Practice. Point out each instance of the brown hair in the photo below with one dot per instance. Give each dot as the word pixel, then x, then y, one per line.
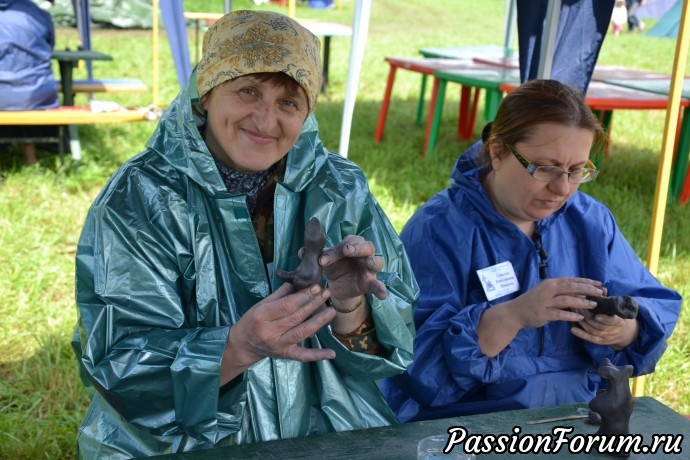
pixel 536 102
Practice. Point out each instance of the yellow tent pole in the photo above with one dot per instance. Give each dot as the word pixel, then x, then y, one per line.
pixel 662 180
pixel 291 9
pixel 155 57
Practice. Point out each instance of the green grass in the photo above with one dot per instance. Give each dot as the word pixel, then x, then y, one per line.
pixel 42 208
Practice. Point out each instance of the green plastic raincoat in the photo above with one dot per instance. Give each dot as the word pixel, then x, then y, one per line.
pixel 168 261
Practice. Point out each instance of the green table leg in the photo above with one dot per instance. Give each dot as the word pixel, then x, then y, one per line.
pixel 606 117
pixel 681 164
pixel 420 104
pixel 436 120
pixel 491 103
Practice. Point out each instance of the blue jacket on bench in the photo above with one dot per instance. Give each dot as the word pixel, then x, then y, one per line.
pixel 27 38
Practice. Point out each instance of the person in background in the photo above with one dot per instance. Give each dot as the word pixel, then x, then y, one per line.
pixel 619 16
pixel 27 38
pixel 633 21
pixel 509 260
pixel 185 332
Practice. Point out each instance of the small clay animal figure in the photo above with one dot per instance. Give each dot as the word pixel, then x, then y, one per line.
pixel 309 271
pixel 614 405
pixel 624 306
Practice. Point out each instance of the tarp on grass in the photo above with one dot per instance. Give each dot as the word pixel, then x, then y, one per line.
pixel 122 14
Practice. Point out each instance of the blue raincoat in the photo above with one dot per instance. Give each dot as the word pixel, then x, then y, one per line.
pixel 27 38
pixel 168 261
pixel 458 232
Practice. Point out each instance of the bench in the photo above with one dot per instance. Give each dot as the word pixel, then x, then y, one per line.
pixel 68 116
pixel 115 85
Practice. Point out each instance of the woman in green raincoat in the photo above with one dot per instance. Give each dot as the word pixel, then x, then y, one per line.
pixel 184 331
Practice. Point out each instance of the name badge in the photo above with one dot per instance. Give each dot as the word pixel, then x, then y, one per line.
pixel 498 280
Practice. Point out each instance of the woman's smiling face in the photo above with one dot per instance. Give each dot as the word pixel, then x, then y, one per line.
pixel 252 122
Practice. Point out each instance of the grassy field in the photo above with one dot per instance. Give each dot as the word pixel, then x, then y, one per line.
pixel 42 208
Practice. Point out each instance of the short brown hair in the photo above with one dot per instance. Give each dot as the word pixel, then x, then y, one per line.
pixel 536 102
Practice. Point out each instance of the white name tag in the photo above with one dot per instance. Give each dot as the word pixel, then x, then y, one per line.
pixel 498 280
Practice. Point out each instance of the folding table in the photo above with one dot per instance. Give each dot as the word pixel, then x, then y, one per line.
pixel 67 62
pixel 680 185
pixel 468 52
pixel 607 72
pixel 489 79
pixel 506 62
pixel 327 30
pixel 425 66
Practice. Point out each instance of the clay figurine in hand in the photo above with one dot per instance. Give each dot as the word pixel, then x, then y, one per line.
pixel 624 306
pixel 613 405
pixel 309 271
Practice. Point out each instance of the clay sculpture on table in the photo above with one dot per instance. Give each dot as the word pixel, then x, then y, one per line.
pixel 612 407
pixel 624 306
pixel 309 271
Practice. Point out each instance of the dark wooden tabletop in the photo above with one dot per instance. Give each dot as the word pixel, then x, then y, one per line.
pixel 399 442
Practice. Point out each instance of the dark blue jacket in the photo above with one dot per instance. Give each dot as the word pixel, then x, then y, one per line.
pixel 27 38
pixel 458 232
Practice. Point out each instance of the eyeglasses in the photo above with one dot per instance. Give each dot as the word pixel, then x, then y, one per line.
pixel 552 173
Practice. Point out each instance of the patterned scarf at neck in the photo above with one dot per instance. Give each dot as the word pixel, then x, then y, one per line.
pixel 239 183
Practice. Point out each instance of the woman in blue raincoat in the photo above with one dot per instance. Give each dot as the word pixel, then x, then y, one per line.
pixel 506 259
pixel 184 331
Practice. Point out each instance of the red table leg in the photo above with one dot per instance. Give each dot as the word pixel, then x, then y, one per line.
pixel 468 114
pixel 685 192
pixel 384 105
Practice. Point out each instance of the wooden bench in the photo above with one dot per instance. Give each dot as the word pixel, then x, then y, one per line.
pixel 115 85
pixel 67 117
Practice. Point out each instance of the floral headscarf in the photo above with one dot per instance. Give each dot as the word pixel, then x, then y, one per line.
pixel 247 42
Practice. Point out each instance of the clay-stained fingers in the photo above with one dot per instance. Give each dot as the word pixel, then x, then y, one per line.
pixel 377 288
pixel 275 326
pixel 375 263
pixel 292 337
pixel 580 287
pixel 290 305
pixel 352 246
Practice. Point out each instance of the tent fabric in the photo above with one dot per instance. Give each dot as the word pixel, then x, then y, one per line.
pixel 655 9
pixel 667 26
pixel 176 29
pixel 82 14
pixel 582 26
